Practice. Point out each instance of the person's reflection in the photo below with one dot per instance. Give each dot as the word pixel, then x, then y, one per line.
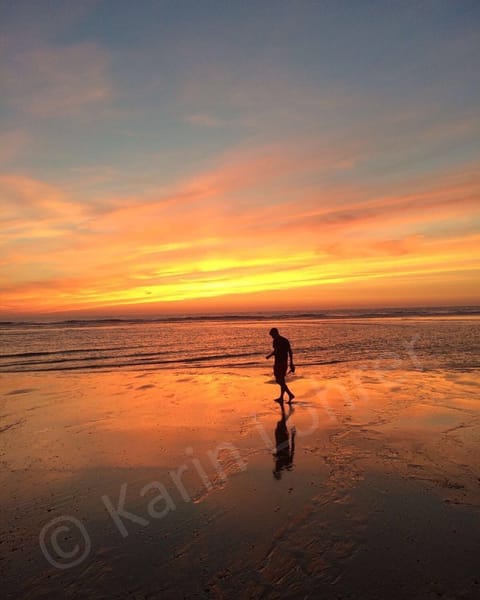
pixel 284 444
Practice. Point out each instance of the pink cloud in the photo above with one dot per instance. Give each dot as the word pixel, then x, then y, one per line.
pixel 58 80
pixel 28 202
pixel 204 120
pixel 14 142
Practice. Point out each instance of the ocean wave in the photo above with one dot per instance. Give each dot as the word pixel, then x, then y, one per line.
pixel 95 362
pixel 270 316
pixel 69 351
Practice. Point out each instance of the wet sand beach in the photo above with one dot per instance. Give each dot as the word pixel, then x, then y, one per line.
pixel 191 483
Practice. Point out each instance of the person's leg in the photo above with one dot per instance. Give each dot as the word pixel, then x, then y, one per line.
pixel 280 379
pixel 291 396
pixel 281 382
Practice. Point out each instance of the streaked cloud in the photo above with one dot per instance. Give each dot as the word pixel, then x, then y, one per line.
pixel 184 246
pixel 204 120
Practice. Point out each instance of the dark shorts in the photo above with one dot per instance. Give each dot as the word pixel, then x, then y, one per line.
pixel 280 369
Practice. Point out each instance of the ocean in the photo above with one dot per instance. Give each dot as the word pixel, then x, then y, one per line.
pixel 415 338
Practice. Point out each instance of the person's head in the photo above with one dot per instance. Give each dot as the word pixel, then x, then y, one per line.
pixel 274 332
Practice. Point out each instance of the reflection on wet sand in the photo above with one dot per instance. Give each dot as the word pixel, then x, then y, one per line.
pixel 284 443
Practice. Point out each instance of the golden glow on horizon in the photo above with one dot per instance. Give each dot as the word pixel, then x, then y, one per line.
pixel 65 255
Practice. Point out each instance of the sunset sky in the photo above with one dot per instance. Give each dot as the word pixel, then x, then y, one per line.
pixel 175 156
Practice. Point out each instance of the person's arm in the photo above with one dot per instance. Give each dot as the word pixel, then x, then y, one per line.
pixel 272 353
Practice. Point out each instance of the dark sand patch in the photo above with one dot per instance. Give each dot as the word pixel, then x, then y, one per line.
pixel 5 428
pixel 20 391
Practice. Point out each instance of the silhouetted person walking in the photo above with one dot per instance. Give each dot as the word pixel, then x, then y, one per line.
pixel 282 352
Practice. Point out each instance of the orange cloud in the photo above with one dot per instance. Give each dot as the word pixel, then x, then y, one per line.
pixel 207 239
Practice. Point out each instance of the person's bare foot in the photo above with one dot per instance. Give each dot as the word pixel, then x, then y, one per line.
pixel 290 398
pixel 279 400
